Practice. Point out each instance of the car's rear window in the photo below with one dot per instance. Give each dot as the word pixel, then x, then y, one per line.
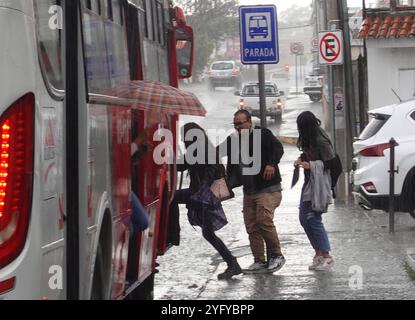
pixel 254 90
pixel 222 66
pixel 373 127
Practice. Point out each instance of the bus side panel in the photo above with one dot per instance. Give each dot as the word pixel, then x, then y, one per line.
pixel 120 193
pixel 52 195
pixel 148 186
pixel 148 243
pixel 167 226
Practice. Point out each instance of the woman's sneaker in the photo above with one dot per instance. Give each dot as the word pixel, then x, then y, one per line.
pixel 276 263
pixel 256 267
pixel 317 260
pixel 325 264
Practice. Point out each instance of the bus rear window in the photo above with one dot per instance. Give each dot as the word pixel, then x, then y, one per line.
pixel 49 21
pixel 373 127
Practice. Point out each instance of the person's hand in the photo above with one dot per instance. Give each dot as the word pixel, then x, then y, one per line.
pixel 269 172
pixel 142 138
pixel 297 162
pixel 305 165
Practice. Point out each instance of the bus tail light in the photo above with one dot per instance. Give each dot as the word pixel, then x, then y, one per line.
pixel 16 176
pixel 8 285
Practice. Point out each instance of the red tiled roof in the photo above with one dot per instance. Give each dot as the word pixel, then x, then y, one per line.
pixel 388 26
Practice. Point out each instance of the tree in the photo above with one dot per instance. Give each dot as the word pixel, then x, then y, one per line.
pixel 211 21
pixel 295 16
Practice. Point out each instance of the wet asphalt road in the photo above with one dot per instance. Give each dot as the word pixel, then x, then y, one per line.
pixel 369 262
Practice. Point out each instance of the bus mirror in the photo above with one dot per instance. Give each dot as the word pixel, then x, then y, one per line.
pixel 184 47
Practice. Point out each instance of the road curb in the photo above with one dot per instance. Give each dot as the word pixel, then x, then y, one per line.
pixel 288 140
pixel 410 258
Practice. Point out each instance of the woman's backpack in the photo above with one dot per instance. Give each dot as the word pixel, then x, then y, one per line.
pixel 336 169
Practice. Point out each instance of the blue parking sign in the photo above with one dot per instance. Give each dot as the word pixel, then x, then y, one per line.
pixel 259 34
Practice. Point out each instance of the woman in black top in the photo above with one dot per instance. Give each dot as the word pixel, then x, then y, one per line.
pixel 315 145
pixel 204 209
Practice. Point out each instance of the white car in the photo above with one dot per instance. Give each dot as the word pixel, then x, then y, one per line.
pixel 224 74
pixel 370 168
pixel 274 99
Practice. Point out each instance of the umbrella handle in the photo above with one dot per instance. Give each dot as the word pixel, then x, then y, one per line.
pixel 181 180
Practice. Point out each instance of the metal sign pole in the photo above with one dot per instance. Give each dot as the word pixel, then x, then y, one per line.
pixel 296 74
pixel 392 172
pixel 262 99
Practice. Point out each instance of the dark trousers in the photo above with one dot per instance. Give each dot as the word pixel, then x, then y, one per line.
pixel 182 197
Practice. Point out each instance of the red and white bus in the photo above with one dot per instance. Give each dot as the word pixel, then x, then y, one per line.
pixel 65 160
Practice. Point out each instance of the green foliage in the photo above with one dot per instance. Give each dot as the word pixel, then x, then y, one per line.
pixel 411 273
pixel 211 21
pixel 295 16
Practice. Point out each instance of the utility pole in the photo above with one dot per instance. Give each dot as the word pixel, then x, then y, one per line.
pixel 349 83
pixel 342 92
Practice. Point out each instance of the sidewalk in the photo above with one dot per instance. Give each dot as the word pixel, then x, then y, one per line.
pixel 369 262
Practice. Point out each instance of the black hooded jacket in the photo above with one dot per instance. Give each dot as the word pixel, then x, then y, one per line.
pixel 271 154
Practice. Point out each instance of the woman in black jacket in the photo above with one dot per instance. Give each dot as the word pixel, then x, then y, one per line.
pixel 204 209
pixel 316 145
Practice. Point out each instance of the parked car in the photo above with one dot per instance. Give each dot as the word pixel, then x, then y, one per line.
pixel 370 167
pixel 249 100
pixel 279 76
pixel 313 87
pixel 224 74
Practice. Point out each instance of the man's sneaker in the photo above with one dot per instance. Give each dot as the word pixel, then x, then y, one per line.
pixel 317 260
pixel 256 267
pixel 325 264
pixel 276 263
pixel 233 270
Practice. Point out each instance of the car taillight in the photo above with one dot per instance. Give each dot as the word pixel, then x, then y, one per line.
pixel 234 72
pixel 241 104
pixel 369 187
pixel 16 176
pixel 375 151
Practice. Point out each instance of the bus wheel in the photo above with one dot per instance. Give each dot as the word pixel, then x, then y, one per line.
pixel 145 291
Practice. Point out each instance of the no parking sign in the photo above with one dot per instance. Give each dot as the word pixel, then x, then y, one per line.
pixel 331 47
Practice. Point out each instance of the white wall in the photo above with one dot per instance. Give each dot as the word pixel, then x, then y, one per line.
pixel 383 73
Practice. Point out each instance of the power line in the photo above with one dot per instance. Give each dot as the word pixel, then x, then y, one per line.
pixel 296 27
